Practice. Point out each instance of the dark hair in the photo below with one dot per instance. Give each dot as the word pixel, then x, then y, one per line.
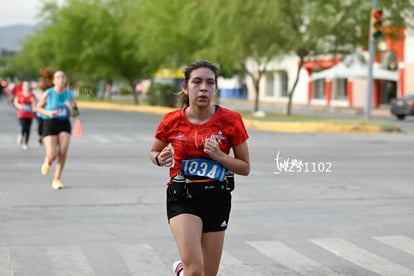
pixel 182 96
pixel 46 77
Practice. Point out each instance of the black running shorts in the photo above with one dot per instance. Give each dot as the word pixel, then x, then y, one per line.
pixel 56 126
pixel 212 207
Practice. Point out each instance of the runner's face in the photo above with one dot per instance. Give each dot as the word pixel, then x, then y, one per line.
pixel 201 86
pixel 25 86
pixel 59 79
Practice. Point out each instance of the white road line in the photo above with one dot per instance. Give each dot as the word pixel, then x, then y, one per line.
pixel 231 266
pixel 100 139
pixel 400 242
pixel 141 259
pixel 6 263
pixel 363 258
pixel 79 140
pixel 141 138
pixel 229 259
pixel 292 259
pixel 69 261
pixel 123 138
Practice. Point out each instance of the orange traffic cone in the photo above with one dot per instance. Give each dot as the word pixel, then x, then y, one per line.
pixel 77 128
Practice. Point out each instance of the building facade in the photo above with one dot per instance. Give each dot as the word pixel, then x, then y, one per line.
pixel 393 66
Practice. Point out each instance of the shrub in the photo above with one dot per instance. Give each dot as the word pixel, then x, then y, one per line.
pixel 86 89
pixel 163 94
pixel 125 91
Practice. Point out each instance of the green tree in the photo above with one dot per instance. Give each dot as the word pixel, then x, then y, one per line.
pixel 233 32
pixel 92 39
pixel 108 39
pixel 227 32
pixel 243 37
pixel 169 35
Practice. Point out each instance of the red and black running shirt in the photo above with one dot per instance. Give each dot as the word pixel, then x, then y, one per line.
pixel 187 139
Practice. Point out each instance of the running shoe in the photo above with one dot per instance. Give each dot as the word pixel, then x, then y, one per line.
pixel 57 184
pixel 45 167
pixel 25 146
pixel 178 268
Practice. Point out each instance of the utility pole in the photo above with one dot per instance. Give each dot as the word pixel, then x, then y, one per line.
pixel 375 25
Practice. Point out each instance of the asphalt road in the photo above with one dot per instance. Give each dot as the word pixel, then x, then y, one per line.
pixel 314 204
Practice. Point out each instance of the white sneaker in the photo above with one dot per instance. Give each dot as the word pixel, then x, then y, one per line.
pixel 178 268
pixel 25 147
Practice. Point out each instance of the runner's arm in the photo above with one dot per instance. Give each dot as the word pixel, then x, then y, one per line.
pixel 41 104
pixel 16 103
pixel 160 151
pixel 72 108
pixel 239 164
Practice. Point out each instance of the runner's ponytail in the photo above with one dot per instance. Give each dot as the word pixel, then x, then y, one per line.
pixel 183 99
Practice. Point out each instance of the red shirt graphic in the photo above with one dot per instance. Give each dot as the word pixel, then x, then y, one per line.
pixel 187 139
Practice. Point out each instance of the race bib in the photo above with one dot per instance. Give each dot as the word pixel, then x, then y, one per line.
pixel 27 108
pixel 204 168
pixel 62 112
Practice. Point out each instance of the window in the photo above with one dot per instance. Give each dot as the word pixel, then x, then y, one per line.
pixel 318 89
pixel 389 60
pixel 339 87
pixel 276 84
pixel 283 83
pixel 269 84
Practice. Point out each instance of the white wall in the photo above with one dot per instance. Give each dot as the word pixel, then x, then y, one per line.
pixel 409 46
pixel 409 62
pixel 289 64
pixel 359 93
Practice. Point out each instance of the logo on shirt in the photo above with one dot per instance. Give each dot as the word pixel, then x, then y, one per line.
pixel 201 138
pixel 180 137
pixel 219 136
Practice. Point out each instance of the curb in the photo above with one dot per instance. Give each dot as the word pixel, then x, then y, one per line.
pixel 299 127
pixel 290 127
pixel 161 110
pixel 343 110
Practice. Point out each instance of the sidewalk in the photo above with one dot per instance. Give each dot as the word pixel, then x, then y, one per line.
pixel 295 127
pixel 307 109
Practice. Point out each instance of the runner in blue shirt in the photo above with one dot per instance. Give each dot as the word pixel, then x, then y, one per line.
pixel 56 106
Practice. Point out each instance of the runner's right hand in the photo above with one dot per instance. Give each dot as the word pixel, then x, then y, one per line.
pixel 166 157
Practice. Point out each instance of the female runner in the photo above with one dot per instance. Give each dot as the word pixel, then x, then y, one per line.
pixel 201 169
pixel 56 105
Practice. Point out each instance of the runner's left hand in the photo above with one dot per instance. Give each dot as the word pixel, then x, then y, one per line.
pixel 212 148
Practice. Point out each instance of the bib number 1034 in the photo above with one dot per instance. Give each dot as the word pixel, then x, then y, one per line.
pixel 204 168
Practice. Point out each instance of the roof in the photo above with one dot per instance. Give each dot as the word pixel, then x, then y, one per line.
pixel 353 68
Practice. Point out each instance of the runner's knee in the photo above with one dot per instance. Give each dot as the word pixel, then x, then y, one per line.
pixel 51 157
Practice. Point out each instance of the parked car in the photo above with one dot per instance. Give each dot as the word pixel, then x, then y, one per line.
pixel 403 106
